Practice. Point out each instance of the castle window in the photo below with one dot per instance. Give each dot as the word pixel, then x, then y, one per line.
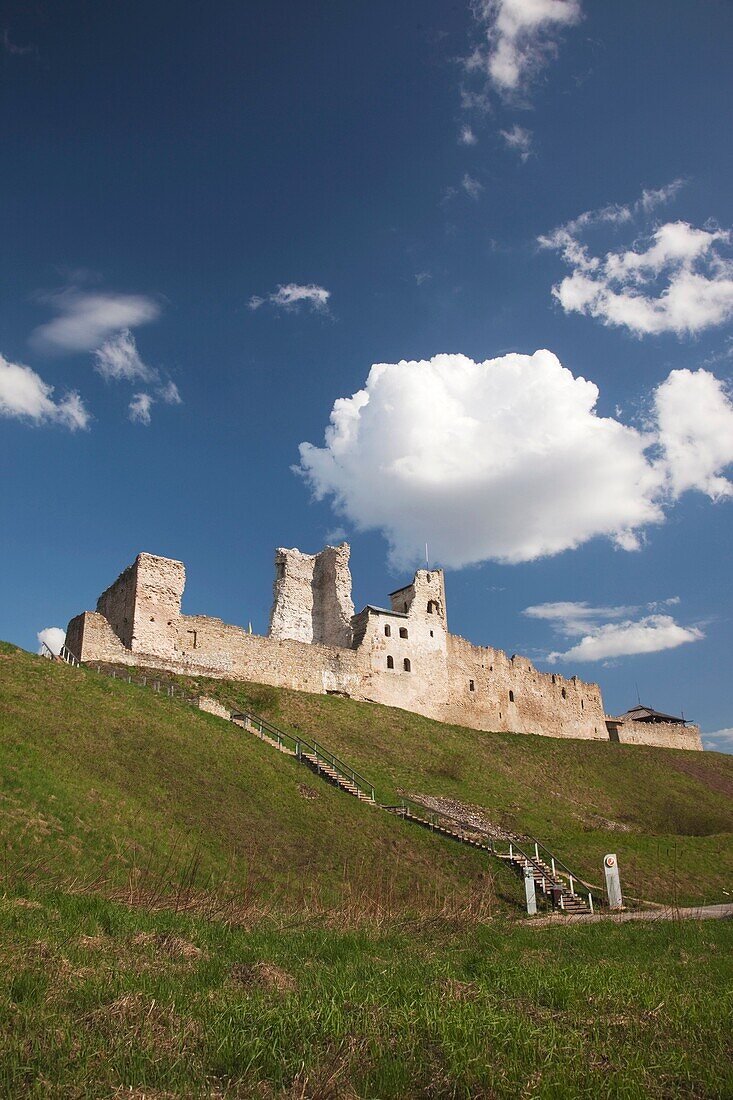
pixel 432 634
pixel 390 662
pixel 280 570
pixel 406 665
pixel 388 631
pixel 405 607
pixel 431 607
pixel 471 685
pixel 582 705
pixel 429 578
pixel 511 696
pixel 403 632
pixel 194 638
pixel 554 678
pixel 564 693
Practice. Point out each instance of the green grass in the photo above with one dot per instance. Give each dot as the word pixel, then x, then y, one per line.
pixel 104 782
pixel 97 1000
pixel 668 813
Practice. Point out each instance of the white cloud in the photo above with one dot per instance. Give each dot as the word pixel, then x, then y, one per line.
pixel 53 637
pixel 139 408
pixel 505 460
pixel 651 634
pixel 719 741
pixel 520 140
pixel 520 35
pixel 467 136
pixel 290 295
pixel 695 430
pixel 678 279
pixel 25 396
pixel 471 186
pixel 169 394
pixel 608 632
pixel 118 359
pixel 86 320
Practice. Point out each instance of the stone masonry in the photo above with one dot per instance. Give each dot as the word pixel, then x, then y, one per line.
pixel 402 656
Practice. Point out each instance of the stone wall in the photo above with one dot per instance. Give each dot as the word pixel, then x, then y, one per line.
pixel 312 596
pixel 402 658
pixel 665 735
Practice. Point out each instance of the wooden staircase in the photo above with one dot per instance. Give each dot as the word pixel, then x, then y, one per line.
pixel 558 887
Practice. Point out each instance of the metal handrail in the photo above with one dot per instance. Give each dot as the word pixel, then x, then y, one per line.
pixel 434 817
pixel 313 747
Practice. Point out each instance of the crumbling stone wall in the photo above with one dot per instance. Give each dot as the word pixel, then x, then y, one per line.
pixel 665 735
pixel 403 658
pixel 312 596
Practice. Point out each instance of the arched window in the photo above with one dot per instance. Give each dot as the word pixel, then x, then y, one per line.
pixel 403 632
pixel 390 662
pixel 406 665
pixel 388 631
pixel 511 696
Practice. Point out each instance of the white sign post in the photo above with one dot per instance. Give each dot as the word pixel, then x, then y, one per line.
pixel 529 891
pixel 613 882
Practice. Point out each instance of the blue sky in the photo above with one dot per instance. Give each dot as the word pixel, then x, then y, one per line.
pixel 216 223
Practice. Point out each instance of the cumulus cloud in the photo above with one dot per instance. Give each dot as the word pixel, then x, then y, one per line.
pixel 506 460
pixel 25 396
pixel 291 295
pixel 139 408
pixel 518 38
pixel 520 140
pixel 719 741
pixel 85 320
pixel 677 279
pixel 119 360
pixel 53 637
pixel 608 632
pixel 695 430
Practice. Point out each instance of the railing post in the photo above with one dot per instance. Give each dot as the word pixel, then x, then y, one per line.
pixel 536 852
pixel 511 851
pixel 572 888
pixel 590 901
pixel 554 872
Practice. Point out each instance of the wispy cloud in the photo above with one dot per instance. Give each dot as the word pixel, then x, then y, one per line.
pixel 719 740
pixel 518 38
pixel 519 140
pixel 472 187
pixel 289 296
pixel 25 396
pixel 467 136
pixel 605 633
pixel 119 360
pixel 85 320
pixel 139 408
pixel 13 48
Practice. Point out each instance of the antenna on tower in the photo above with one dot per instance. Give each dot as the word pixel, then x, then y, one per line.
pixel 638 697
pixel 427 557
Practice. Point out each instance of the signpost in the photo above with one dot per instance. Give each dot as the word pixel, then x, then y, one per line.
pixel 613 882
pixel 529 891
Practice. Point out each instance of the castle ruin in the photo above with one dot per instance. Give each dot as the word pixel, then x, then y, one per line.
pixel 402 655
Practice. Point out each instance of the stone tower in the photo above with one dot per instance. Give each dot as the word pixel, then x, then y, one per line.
pixel 312 596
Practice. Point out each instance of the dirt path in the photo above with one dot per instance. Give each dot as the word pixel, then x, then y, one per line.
pixel 693 912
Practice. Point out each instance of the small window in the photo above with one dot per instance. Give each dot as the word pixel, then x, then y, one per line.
pixel 582 705
pixel 280 570
pixel 554 678
pixel 511 696
pixel 406 665
pixel 194 638
pixel 431 607
pixel 405 607
pixel 403 632
pixel 429 578
pixel 390 662
pixel 388 631
pixel 432 633
pixel 471 685
pixel 564 693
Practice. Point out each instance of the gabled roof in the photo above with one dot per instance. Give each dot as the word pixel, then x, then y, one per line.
pixel 641 713
pixel 386 611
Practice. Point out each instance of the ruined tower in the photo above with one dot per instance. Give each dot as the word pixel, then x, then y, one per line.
pixel 312 596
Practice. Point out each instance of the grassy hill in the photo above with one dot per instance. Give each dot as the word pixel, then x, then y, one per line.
pixel 104 782
pixel 129 820
pixel 668 813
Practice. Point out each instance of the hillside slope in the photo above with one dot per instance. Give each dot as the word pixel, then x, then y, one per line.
pixel 104 782
pixel 668 813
